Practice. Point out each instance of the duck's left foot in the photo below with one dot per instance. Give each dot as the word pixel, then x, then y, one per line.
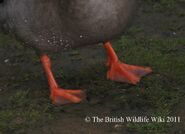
pixel 122 72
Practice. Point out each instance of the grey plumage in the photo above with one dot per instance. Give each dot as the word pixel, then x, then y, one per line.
pixel 63 24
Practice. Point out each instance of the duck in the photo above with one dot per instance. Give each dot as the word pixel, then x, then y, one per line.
pixel 60 25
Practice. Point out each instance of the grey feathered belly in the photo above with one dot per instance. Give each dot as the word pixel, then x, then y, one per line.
pixel 60 25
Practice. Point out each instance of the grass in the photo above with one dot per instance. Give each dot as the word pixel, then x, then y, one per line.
pixel 162 5
pixel 164 89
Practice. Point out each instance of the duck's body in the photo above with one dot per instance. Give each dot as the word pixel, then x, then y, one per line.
pixel 62 24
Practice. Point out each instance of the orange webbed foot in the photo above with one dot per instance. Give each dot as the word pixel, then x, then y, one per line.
pixel 61 96
pixel 121 72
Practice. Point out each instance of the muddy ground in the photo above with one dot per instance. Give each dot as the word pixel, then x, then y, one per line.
pixel 155 38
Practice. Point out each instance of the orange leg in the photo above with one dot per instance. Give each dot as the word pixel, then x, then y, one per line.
pixel 60 95
pixel 122 72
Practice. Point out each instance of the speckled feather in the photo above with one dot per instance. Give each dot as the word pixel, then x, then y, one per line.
pixel 64 24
